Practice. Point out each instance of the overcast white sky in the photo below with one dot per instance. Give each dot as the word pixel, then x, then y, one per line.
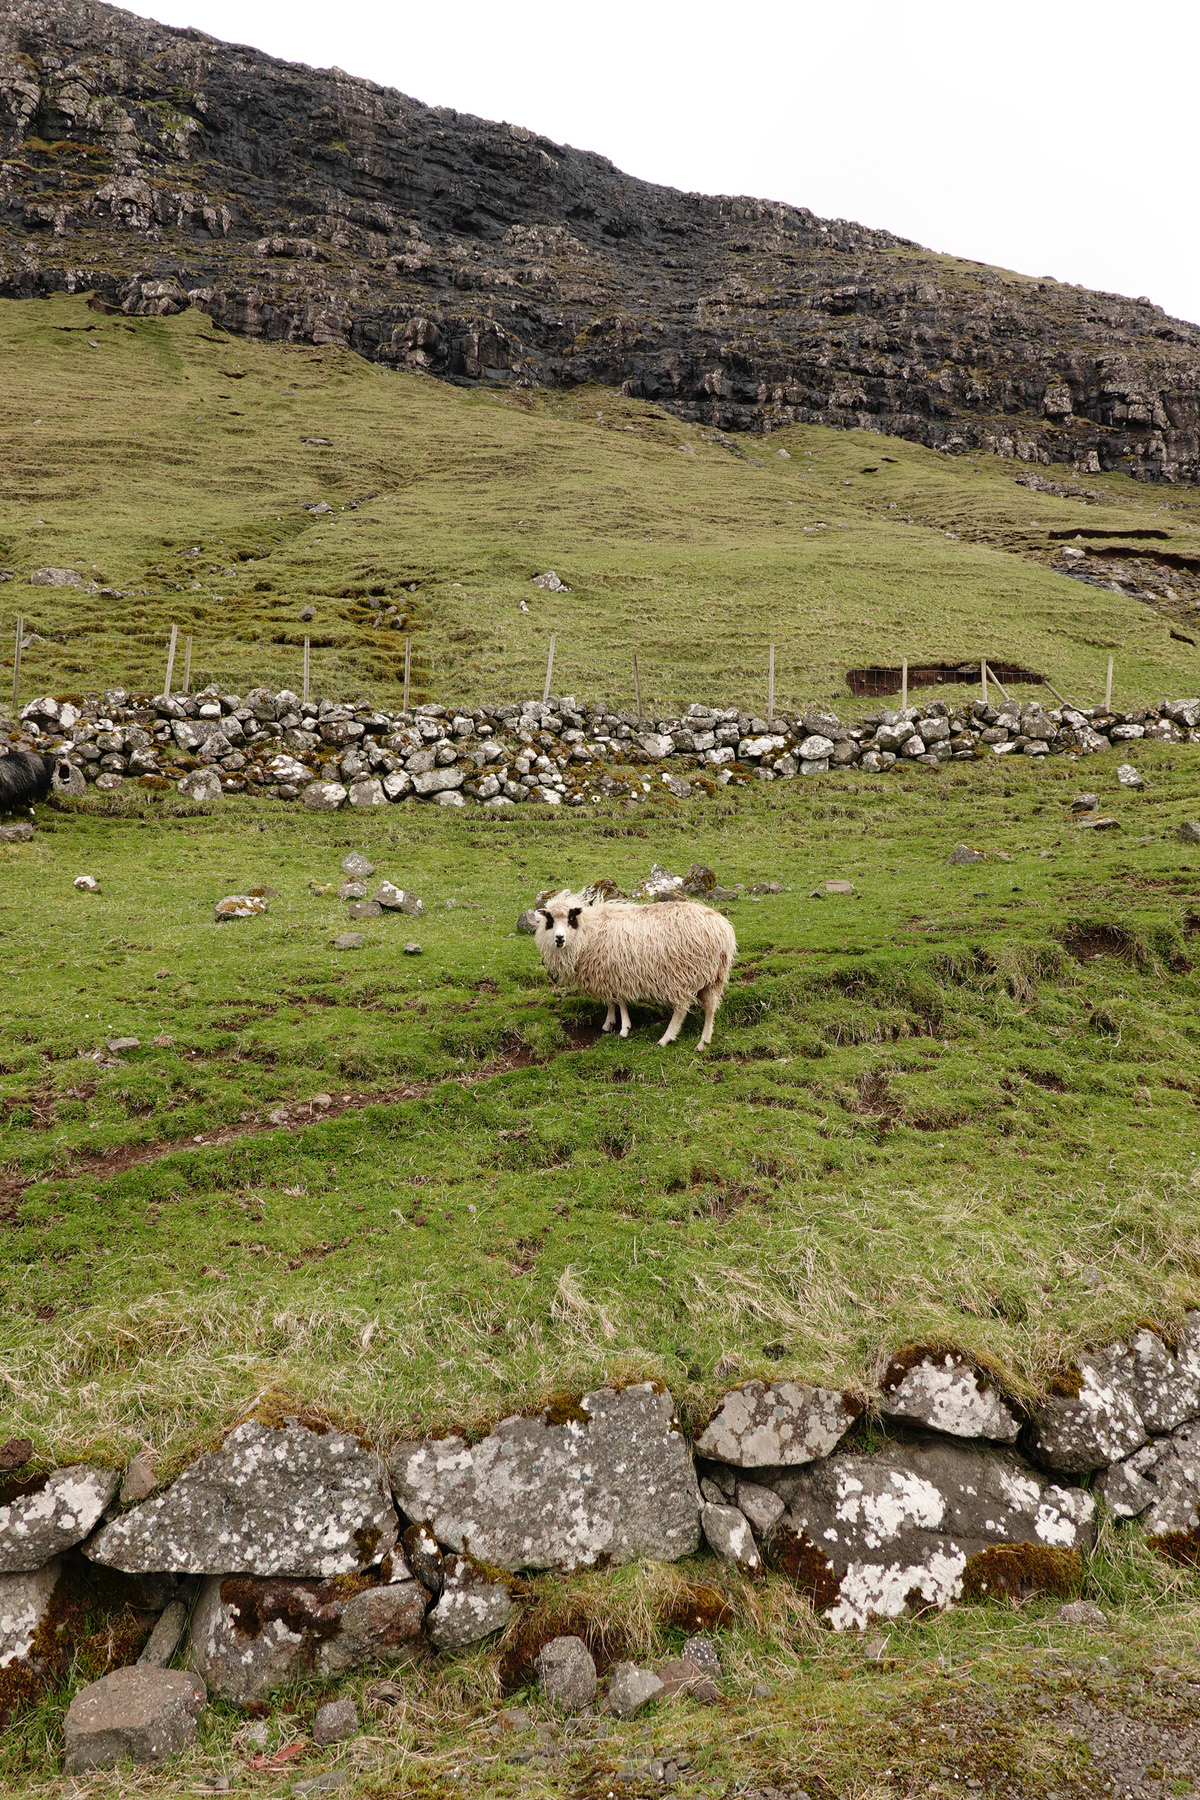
pixel 1057 137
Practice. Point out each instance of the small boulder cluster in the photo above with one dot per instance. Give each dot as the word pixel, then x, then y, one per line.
pixel 557 752
pixel 292 1549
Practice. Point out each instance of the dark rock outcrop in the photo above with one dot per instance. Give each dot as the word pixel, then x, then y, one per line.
pixel 160 167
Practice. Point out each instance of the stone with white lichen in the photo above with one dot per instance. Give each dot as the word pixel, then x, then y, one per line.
pixel 1091 1416
pixel 867 1536
pixel 612 1481
pixel 59 1513
pixel 769 1424
pixel 728 1535
pixel 271 1501
pixel 472 1606
pixel 947 1393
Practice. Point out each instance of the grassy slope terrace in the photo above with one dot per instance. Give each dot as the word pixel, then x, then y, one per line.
pixel 961 1105
pixel 170 465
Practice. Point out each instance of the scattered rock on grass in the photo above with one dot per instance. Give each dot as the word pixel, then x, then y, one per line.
pixel 87 884
pixel 134 1715
pixel 631 1688
pixel 349 940
pixel 567 1674
pixel 703 1652
pixel 1189 831
pixel 356 867
pixel 1128 776
pixel 526 924
pixel 412 948
pixel 241 906
pixel 20 833
pixel 1082 1613
pixel 1098 822
pixel 966 853
pixel 336 1720
pixel 366 909
pixel 682 1675
pixel 396 899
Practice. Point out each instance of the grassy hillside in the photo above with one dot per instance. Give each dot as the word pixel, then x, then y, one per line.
pixel 958 1105
pixel 171 464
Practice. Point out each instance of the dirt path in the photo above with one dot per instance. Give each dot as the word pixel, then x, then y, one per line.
pixel 291 1115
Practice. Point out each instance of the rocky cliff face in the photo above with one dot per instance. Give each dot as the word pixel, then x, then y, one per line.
pixel 162 167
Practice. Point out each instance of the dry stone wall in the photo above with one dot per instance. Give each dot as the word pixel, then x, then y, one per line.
pixel 319 1553
pixel 561 751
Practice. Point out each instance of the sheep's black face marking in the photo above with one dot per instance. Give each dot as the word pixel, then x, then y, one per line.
pixel 549 918
pixel 573 917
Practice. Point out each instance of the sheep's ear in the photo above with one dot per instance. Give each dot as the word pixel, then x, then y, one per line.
pixel 573 917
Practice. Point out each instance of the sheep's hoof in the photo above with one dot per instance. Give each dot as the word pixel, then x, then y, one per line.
pixel 606 1026
pixel 625 1034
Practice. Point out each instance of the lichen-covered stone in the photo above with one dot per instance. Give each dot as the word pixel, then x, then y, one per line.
pixel 947 1393
pixel 1165 1384
pixel 135 1715
pixel 868 1535
pixel 24 1602
pixel 34 1527
pixel 728 1535
pixel 271 1501
pixel 770 1424
pixel 472 1606
pixel 251 1634
pixel 761 1505
pixel 1096 1421
pixel 615 1482
pixel 1159 1484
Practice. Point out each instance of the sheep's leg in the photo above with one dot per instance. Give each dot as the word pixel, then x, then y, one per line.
pixel 626 1021
pixel 610 1019
pixel 672 1031
pixel 710 999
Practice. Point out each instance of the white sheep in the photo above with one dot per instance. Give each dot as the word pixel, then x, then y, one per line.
pixel 673 951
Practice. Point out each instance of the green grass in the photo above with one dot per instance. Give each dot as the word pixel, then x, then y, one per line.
pixel 123 458
pixel 923 1116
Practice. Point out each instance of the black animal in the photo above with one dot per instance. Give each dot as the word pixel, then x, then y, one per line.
pixel 25 778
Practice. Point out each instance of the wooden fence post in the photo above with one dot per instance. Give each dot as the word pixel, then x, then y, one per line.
pixel 904 684
pixel 637 689
pixel 187 665
pixel 171 661
pixel 1108 686
pixel 305 696
pixel 998 682
pixel 983 678
pixel 771 687
pixel 549 669
pixel 17 662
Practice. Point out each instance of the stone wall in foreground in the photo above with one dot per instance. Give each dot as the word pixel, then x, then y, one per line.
pixel 328 754
pixel 294 1547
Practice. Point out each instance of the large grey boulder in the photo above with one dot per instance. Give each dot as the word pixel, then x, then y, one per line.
pixel 948 1394
pixel 1093 1419
pixel 472 1606
pixel 135 1715
pixel 1160 1484
pixel 271 1501
pixel 769 1424
pixel 614 1483
pixel 437 781
pixel 868 1535
pixel 323 796
pixel 250 1635
pixel 34 1527
pixel 201 784
pixel 1165 1383
pixel 24 1603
